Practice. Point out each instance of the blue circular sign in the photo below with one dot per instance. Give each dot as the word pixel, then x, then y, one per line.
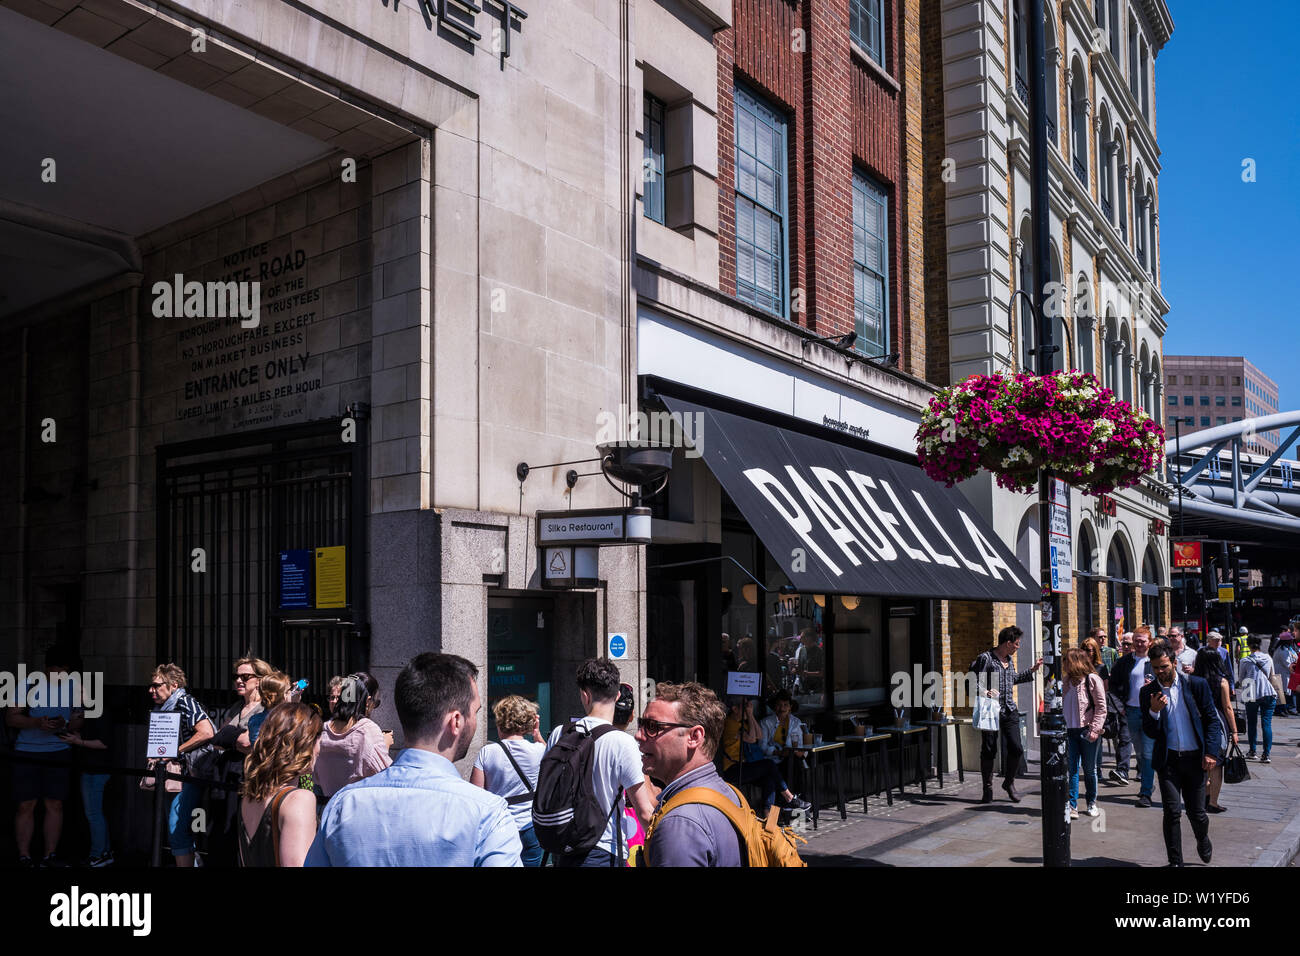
pixel 617 646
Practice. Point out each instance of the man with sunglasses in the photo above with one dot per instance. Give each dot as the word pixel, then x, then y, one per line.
pixel 678 736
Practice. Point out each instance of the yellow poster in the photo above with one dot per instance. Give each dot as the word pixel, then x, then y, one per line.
pixel 331 577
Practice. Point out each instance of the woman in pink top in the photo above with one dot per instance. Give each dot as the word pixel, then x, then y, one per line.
pixel 1085 716
pixel 352 746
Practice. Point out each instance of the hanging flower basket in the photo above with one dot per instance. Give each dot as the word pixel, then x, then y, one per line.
pixel 1014 426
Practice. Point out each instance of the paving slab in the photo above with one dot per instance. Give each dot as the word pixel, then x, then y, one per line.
pixel 949 827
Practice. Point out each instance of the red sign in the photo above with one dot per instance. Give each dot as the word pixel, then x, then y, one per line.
pixel 1157 526
pixel 1187 554
pixel 1106 505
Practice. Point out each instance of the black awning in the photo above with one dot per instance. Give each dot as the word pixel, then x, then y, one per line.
pixel 840 520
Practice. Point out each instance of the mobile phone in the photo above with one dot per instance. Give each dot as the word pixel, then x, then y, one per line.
pixel 302 684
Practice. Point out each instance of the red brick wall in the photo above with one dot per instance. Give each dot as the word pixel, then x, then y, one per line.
pixel 838 112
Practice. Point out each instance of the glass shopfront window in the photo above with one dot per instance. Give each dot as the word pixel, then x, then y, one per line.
pixel 861 676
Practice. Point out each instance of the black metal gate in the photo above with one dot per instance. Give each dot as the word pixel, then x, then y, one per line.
pixel 227 507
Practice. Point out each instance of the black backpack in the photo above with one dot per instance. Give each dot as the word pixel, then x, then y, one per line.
pixel 567 817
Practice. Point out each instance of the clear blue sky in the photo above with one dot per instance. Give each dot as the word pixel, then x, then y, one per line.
pixel 1225 92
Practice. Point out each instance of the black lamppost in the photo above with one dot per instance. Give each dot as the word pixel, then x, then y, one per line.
pixel 1051 722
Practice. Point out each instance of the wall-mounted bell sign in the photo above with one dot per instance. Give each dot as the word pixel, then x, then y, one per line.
pixel 568 542
pixel 569 566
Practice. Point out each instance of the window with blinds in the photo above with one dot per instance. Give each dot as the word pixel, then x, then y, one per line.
pixel 870 265
pixel 761 266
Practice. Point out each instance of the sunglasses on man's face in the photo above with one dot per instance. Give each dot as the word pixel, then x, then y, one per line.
pixel 653 728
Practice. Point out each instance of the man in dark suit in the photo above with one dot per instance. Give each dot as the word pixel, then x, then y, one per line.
pixel 1178 715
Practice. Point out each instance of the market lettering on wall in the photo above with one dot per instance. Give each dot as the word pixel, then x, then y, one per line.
pixel 231 367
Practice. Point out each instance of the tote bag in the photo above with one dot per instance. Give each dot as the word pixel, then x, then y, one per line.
pixel 985 714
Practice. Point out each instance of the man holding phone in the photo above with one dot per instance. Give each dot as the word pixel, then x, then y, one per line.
pixel 41 725
pixel 1178 714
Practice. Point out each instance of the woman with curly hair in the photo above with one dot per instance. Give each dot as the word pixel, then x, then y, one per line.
pixel 277 819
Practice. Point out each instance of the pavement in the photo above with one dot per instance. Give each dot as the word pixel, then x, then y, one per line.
pixel 949 827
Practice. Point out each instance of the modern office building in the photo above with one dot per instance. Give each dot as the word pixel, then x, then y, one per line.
pixel 1207 390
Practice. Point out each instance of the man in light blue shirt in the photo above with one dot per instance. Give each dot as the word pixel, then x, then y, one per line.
pixel 419 811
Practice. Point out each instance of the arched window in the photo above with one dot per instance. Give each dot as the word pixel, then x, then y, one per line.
pixel 1144 378
pixel 1110 351
pixel 1079 121
pixel 1028 324
pixel 1119 578
pixel 1125 371
pixel 1083 313
pixel 1085 567
pixel 1151 228
pixel 1121 185
pixel 1157 404
pixel 1105 175
pixel 1139 217
pixel 1151 581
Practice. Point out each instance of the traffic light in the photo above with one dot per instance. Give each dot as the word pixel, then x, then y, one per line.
pixel 1243 574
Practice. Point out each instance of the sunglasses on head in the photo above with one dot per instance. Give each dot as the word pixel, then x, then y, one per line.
pixel 653 728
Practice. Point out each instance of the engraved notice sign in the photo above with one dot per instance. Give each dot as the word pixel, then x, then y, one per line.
pixel 232 370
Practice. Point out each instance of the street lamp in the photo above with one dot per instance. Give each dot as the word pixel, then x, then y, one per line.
pixel 1051 722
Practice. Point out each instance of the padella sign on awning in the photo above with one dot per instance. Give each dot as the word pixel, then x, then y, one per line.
pixel 843 521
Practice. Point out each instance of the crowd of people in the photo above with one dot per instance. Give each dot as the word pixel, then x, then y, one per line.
pixel 288 785
pixel 1171 705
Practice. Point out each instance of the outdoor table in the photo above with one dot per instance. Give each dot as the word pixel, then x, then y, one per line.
pixel 943 747
pixel 872 739
pixel 901 733
pixel 836 749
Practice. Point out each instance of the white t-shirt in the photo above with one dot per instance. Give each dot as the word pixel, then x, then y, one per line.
pixel 1187 657
pixel 616 763
pixel 502 779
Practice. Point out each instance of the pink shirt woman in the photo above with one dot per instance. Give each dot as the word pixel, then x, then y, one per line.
pixel 352 747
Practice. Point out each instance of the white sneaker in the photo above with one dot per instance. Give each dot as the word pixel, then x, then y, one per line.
pixel 1074 814
pixel 1092 810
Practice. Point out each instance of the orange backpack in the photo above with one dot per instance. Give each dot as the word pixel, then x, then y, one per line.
pixel 765 844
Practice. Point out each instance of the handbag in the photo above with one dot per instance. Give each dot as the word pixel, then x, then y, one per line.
pixel 1234 767
pixel 985 714
pixel 172 765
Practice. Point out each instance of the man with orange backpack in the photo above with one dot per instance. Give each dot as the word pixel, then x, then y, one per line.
pixel 700 820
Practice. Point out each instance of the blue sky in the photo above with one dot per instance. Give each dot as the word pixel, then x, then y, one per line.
pixel 1225 92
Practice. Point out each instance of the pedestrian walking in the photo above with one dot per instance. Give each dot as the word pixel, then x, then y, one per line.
pixel 678 736
pixel 277 818
pixel 1126 682
pixel 1085 717
pixel 589 770
pixel 1211 668
pixel 508 767
pixel 1184 656
pixel 167 688
pixel 1260 696
pixel 1001 683
pixel 1117 728
pixel 1284 660
pixel 1178 713
pixel 419 811
pixel 352 747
